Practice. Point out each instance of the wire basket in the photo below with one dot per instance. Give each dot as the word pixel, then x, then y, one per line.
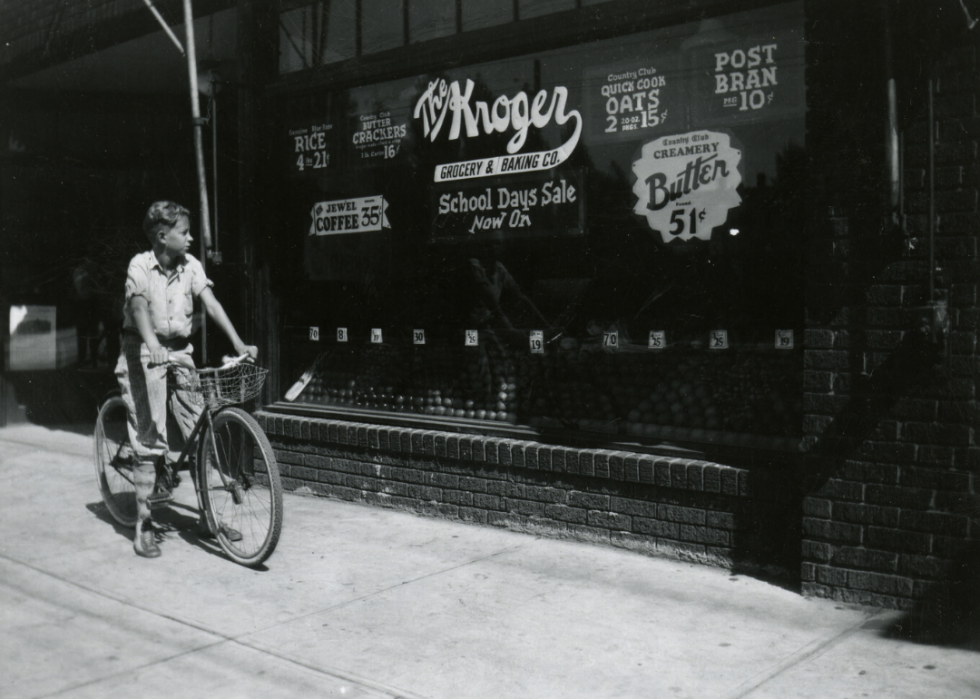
pixel 224 386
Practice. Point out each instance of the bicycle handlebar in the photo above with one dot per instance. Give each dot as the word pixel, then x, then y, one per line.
pixel 226 362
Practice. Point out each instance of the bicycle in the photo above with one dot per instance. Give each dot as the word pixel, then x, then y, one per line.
pixel 235 473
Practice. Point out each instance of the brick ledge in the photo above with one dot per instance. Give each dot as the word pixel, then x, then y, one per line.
pixel 662 471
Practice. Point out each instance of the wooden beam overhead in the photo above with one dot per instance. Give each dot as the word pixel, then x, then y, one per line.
pixel 65 41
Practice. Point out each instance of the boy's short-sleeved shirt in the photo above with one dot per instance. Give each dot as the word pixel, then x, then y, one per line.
pixel 170 296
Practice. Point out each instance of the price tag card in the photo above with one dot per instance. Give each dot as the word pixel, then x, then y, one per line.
pixel 718 339
pixel 784 339
pixel 418 337
pixel 472 338
pixel 658 339
pixel 314 333
pixel 610 340
pixel 537 342
pixel 341 334
pixel 376 335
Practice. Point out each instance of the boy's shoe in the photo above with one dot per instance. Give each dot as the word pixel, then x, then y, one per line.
pixel 233 535
pixel 204 531
pixel 145 542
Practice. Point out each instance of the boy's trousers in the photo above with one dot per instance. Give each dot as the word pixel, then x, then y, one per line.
pixel 145 391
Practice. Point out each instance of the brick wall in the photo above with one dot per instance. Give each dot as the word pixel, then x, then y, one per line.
pixel 682 508
pixel 890 507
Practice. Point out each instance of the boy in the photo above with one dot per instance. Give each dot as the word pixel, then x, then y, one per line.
pixel 161 286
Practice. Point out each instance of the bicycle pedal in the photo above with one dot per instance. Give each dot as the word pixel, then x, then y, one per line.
pixel 159 500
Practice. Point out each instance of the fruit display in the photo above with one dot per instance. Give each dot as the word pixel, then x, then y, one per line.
pixel 739 397
pixel 720 397
pixel 474 383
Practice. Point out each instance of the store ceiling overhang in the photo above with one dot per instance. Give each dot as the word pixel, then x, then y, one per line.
pixel 147 63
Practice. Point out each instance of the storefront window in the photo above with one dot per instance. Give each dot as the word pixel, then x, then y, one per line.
pixel 535 8
pixel 431 19
pixel 479 14
pixel 605 239
pixel 382 25
pixel 317 34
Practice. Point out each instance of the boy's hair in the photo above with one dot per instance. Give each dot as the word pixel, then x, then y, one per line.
pixel 162 213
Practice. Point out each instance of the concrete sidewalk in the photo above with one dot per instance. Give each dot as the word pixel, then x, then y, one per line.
pixel 366 602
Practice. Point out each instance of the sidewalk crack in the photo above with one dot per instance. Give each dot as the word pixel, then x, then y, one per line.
pixel 810 651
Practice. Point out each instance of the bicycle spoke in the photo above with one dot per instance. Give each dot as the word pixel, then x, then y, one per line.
pixel 124 474
pixel 116 481
pixel 235 499
pixel 227 442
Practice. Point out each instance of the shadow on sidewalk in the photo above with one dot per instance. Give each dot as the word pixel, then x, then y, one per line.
pixel 948 614
pixel 59 397
pixel 175 520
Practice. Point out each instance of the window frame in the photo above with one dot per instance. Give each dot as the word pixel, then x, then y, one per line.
pixel 575 27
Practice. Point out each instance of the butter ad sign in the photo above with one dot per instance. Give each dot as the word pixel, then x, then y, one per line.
pixel 361 215
pixel 506 208
pixel 443 101
pixel 687 183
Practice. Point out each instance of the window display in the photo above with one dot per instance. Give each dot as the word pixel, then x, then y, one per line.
pixel 604 238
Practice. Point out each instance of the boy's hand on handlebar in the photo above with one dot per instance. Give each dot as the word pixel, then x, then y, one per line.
pixel 160 355
pixel 251 350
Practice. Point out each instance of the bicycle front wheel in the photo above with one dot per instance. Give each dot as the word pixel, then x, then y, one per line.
pixel 241 487
pixel 114 461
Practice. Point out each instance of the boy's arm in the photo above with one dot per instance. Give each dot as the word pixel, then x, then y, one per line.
pixel 217 313
pixel 141 314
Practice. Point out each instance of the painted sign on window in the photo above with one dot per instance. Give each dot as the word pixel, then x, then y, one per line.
pixel 361 215
pixel 686 184
pixel 749 79
pixel 634 100
pixel 515 207
pixel 477 118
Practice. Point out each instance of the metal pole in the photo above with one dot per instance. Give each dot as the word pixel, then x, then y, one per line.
pixel 198 123
pixel 214 161
pixel 932 198
pixel 166 27
pixel 202 184
pixel 891 138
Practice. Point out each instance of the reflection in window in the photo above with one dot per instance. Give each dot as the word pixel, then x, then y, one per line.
pixel 318 34
pixel 536 8
pixel 478 14
pixel 382 25
pixel 431 19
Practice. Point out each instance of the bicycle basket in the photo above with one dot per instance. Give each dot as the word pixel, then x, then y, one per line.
pixel 225 386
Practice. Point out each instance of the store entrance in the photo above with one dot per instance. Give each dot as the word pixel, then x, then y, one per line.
pixel 85 147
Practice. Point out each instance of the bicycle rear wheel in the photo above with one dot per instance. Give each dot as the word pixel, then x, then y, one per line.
pixel 114 461
pixel 241 487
